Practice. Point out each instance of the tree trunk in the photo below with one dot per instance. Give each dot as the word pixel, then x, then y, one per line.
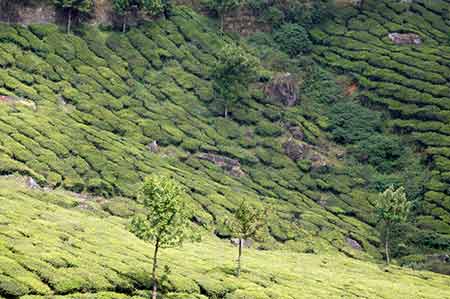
pixel 225 114
pixel 155 265
pixel 8 10
pixel 222 17
pixel 124 24
pixel 388 260
pixel 238 271
pixel 69 20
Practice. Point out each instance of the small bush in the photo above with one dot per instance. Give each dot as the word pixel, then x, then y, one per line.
pixel 351 122
pixel 268 129
pixel 381 151
pixel 293 39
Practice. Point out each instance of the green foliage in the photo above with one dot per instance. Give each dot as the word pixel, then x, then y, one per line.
pixel 81 7
pixel 248 222
pixel 303 13
pixel 234 71
pixel 350 122
pixel 382 151
pixel 102 98
pixel 125 7
pixel 221 7
pixel 165 221
pixel 293 39
pixel 392 208
pixel 268 129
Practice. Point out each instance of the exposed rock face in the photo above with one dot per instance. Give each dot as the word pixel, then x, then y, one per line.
pixel 318 161
pixel 405 38
pixel 294 149
pixel 29 14
pixel 44 12
pixel 233 166
pixel 445 258
pixel 297 132
pixel 353 243
pixel 5 98
pixel 283 88
pixel 244 22
pixel 31 183
pixel 153 146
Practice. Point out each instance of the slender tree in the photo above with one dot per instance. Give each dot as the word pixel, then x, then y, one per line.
pixel 165 221
pixel 392 208
pixel 248 222
pixel 222 7
pixel 234 71
pixel 74 6
pixel 125 7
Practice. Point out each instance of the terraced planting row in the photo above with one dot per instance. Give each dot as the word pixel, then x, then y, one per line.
pixel 411 81
pixel 81 112
pixel 50 247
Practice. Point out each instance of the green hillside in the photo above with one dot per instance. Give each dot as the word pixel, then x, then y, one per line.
pixel 55 243
pixel 88 115
pixel 101 98
pixel 411 82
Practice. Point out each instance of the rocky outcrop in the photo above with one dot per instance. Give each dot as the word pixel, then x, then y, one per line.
pixel 296 132
pixel 405 38
pixel 244 22
pixel 31 183
pixel 36 12
pixel 353 243
pixel 295 150
pixel 232 166
pixel 153 146
pixel 283 88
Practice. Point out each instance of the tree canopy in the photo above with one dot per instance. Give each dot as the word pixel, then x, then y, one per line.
pixel 234 71
pixel 392 207
pixel 165 221
pixel 79 6
pixel 248 222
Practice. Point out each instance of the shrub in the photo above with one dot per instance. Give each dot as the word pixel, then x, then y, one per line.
pixel 99 187
pixel 381 151
pixel 293 39
pixel 273 16
pixel 266 128
pixel 351 122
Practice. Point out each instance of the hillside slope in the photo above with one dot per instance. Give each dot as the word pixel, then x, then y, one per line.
pixel 54 243
pixel 81 112
pixel 412 82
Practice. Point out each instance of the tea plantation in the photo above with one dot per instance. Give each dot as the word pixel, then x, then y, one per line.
pixel 411 82
pixel 52 248
pixel 102 98
pixel 89 115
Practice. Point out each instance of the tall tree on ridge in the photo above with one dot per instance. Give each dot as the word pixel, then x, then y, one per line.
pixel 233 72
pixel 74 6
